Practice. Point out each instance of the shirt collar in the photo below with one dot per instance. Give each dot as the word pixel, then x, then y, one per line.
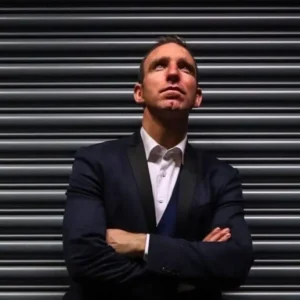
pixel 150 144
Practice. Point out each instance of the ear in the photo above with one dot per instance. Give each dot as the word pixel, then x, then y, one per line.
pixel 138 93
pixel 198 99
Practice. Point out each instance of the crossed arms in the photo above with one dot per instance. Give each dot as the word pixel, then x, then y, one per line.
pixel 94 252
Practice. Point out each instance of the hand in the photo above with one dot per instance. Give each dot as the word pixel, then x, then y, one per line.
pixel 218 235
pixel 125 242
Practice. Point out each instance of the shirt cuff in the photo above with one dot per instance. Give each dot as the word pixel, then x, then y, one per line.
pixel 146 246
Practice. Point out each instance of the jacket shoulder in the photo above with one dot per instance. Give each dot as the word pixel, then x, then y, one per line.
pixel 103 148
pixel 219 175
pixel 213 167
pixel 212 163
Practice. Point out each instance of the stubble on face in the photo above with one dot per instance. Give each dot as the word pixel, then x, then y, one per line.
pixel 170 79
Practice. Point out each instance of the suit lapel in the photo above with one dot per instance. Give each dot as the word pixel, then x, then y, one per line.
pixel 191 171
pixel 137 157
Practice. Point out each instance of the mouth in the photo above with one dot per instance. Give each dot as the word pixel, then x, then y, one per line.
pixel 173 89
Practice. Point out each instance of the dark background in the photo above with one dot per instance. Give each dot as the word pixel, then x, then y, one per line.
pixel 67 72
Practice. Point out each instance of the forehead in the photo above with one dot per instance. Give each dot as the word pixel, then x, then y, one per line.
pixel 170 50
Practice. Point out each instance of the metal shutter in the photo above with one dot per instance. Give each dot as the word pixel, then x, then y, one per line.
pixel 66 76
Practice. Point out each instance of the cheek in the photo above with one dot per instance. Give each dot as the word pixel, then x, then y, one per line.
pixel 191 87
pixel 153 81
pixel 151 85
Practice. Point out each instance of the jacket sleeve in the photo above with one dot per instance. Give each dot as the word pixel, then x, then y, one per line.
pixel 223 264
pixel 87 255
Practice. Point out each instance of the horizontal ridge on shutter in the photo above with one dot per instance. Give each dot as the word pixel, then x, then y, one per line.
pixel 67 73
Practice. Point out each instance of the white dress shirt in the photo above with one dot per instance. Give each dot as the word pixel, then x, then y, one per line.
pixel 164 166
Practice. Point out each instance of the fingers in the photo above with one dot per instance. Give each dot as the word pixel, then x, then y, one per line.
pixel 224 238
pixel 218 235
pixel 211 234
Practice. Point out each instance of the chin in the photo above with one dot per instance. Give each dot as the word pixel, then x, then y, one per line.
pixel 174 104
pixel 174 108
pixel 173 113
pixel 169 110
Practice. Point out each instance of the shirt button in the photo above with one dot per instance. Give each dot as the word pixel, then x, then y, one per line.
pixel 160 201
pixel 163 174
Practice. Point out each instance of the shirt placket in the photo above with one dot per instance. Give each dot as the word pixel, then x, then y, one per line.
pixel 162 186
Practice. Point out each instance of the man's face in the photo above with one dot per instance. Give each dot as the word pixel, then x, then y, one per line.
pixel 169 80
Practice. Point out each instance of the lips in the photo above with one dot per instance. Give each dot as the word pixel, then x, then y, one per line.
pixel 173 89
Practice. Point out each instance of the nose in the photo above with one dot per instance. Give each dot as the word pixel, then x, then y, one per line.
pixel 172 72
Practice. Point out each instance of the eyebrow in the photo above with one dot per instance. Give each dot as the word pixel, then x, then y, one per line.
pixel 167 59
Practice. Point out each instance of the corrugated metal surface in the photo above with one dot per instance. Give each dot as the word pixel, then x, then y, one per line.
pixel 66 79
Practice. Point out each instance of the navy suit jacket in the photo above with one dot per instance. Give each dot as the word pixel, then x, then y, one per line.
pixel 110 187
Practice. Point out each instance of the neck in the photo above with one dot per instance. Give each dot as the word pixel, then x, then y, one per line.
pixel 168 132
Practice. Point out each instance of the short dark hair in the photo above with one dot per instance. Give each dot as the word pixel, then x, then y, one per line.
pixel 162 40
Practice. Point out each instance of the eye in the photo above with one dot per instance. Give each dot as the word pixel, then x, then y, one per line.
pixel 159 67
pixel 186 69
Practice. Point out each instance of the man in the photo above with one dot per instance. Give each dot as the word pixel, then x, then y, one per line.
pixel 148 216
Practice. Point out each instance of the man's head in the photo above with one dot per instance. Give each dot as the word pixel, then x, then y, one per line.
pixel 168 78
